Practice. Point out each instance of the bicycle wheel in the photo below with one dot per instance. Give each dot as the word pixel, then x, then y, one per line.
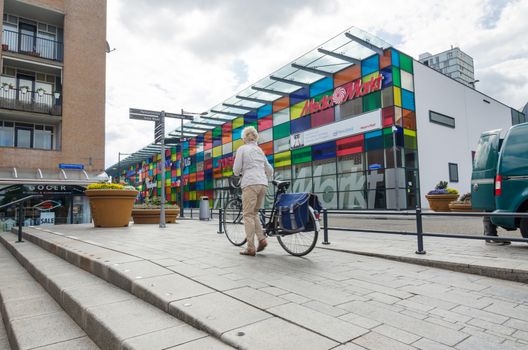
pixel 300 243
pixel 234 223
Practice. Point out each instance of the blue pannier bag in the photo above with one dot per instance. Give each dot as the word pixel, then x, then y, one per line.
pixel 293 213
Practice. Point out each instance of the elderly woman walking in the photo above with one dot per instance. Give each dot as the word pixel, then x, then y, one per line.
pixel 252 164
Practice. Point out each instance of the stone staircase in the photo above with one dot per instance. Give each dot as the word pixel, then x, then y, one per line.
pixel 121 301
pixel 48 303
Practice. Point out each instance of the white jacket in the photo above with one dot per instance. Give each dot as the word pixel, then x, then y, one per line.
pixel 252 164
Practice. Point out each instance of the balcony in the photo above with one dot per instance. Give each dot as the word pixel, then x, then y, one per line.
pixel 32 45
pixel 30 101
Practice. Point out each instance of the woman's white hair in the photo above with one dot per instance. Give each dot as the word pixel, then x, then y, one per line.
pixel 250 134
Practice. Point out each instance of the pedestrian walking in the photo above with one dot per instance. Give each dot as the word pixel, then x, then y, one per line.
pixel 251 163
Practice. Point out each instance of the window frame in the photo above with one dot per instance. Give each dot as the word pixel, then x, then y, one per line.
pixel 435 121
pixel 453 170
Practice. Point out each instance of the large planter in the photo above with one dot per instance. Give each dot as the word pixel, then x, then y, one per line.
pixel 111 208
pixel 152 216
pixel 463 207
pixel 440 202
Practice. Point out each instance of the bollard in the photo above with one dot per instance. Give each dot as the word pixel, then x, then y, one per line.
pixel 325 227
pixel 220 227
pixel 20 222
pixel 419 231
pixel 191 212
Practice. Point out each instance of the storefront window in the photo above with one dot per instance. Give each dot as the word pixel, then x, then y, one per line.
pixel 7 134
pixel 352 200
pixel 351 163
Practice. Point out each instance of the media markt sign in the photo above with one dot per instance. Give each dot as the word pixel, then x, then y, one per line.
pixel 342 94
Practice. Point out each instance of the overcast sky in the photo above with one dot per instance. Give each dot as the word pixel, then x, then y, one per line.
pixel 193 54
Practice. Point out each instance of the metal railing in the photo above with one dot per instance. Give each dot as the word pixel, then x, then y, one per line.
pixel 32 45
pixel 20 203
pixel 420 234
pixel 24 99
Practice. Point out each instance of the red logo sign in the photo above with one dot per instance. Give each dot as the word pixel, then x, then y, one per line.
pixel 342 94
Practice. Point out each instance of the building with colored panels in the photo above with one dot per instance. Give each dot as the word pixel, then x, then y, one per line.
pixel 356 121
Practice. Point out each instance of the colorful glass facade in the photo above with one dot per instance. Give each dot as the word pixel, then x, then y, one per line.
pixel 358 171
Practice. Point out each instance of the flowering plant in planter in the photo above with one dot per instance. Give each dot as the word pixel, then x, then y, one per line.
pixel 441 196
pixel 111 204
pixel 148 212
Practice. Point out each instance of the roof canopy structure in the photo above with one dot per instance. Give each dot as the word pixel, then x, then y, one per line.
pixel 342 51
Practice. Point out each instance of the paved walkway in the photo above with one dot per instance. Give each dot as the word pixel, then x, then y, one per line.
pixel 351 300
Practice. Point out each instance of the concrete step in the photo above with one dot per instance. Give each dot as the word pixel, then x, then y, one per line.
pixel 212 309
pixel 32 318
pixel 112 317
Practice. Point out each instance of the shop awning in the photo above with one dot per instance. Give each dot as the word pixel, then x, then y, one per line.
pixel 9 176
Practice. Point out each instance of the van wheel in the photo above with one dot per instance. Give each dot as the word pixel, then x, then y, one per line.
pixel 524 227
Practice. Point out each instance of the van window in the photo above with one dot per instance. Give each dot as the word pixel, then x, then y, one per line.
pixel 485 155
pixel 515 152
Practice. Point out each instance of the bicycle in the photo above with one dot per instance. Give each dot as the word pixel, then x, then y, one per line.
pixel 295 243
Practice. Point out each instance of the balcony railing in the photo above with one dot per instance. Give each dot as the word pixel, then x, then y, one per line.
pixel 32 45
pixel 30 101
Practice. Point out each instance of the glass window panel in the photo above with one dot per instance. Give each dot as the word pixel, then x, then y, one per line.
pixel 302 170
pixel 328 199
pixel 441 119
pixel 324 150
pixel 302 185
pixel 282 159
pixel 281 116
pixel 387 77
pixel 351 163
pixel 302 155
pixel 375 159
pixel 296 110
pixel 282 130
pixel 265 123
pixel 387 97
pixel 387 116
pixel 327 166
pixel 409 119
pixel 283 173
pixel 349 109
pixel 43 139
pixel 300 124
pixel 264 111
pixel 352 181
pixel 321 86
pixel 353 200
pixel 369 65
pixel 7 136
pixel 281 145
pixel 372 101
pixel 23 138
pixel 407 81
pixel 376 199
pixel 396 80
pixel 323 117
pixel 407 99
pixel 265 136
pixel 406 63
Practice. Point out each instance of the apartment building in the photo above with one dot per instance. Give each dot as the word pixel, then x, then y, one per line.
pixel 454 63
pixel 52 95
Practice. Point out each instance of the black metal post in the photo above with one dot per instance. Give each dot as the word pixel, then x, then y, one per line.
pixel 20 222
pixel 212 212
pixel 220 227
pixel 325 227
pixel 419 231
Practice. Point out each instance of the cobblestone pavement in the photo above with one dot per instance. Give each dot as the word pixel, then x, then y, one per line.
pixel 354 301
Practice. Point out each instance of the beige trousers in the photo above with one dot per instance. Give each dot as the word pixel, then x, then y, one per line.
pixel 252 200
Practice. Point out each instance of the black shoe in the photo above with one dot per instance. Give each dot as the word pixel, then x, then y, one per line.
pixel 498 243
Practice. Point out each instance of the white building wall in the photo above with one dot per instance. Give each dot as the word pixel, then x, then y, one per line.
pixel 439 145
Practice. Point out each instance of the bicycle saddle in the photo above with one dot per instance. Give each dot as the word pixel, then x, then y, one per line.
pixel 281 184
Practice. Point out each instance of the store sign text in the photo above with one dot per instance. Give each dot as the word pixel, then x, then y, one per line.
pixel 342 94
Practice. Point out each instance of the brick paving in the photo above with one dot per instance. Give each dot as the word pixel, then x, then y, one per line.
pixel 353 301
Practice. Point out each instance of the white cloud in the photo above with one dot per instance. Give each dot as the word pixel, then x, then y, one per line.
pixel 195 54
